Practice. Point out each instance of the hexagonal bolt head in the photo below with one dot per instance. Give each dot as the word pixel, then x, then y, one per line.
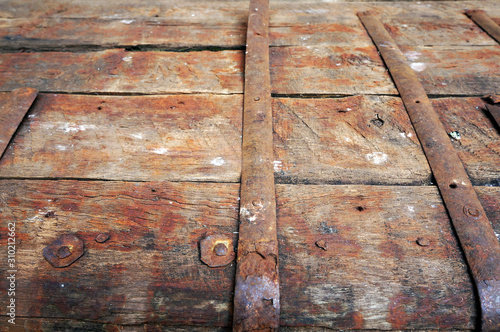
pixel 217 250
pixel 64 251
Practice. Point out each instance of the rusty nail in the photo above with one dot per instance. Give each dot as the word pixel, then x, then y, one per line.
pixel 64 251
pixel 217 250
pixel 220 249
pixel 50 214
pixel 322 244
pixel 101 238
pixel 256 202
pixel 423 242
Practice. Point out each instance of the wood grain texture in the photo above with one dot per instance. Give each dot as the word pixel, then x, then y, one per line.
pixel 352 140
pixel 370 140
pixel 294 70
pixel 148 271
pixel 145 138
pixel 223 25
pixel 479 146
pixel 372 276
pixel 456 70
pixel 118 71
pixel 361 139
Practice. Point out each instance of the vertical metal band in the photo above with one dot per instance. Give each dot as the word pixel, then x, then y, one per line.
pixel 486 23
pixel 12 112
pixel 257 297
pixel 476 235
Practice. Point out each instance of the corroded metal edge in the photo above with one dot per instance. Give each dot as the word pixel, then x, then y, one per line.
pixel 475 233
pixel 13 112
pixel 485 23
pixel 256 297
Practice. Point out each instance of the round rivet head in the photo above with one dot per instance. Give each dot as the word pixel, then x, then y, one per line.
pixel 256 99
pixel 220 249
pixel 472 212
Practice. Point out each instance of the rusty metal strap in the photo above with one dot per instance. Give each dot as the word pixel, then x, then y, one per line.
pixel 256 297
pixel 12 112
pixel 486 23
pixel 476 235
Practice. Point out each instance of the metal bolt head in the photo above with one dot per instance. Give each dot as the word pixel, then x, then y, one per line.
pixel 101 238
pixel 217 250
pixel 220 249
pixel 64 251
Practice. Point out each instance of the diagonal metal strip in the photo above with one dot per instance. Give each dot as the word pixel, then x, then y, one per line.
pixel 486 23
pixel 12 112
pixel 256 297
pixel 495 112
pixel 476 235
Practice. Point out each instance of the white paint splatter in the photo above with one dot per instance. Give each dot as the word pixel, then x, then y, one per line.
pixel 411 208
pixel 402 134
pixel 127 21
pixel 409 135
pixel 74 128
pixel 138 136
pixel 412 55
pixel 160 150
pixel 61 147
pixel 278 165
pixel 377 157
pixel 434 206
pixel 418 66
pixel 219 161
pixel 127 59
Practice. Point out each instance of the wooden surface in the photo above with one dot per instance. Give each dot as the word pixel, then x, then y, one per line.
pixel 353 140
pixel 178 138
pixel 372 275
pixel 135 92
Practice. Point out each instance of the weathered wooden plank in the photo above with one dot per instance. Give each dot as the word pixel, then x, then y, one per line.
pixel 294 70
pixel 14 106
pixel 352 140
pixel 54 34
pixel 373 274
pixel 47 325
pixel 148 271
pixel 361 139
pixel 328 70
pixel 370 140
pixel 118 71
pixel 456 70
pixel 145 138
pixel 479 144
